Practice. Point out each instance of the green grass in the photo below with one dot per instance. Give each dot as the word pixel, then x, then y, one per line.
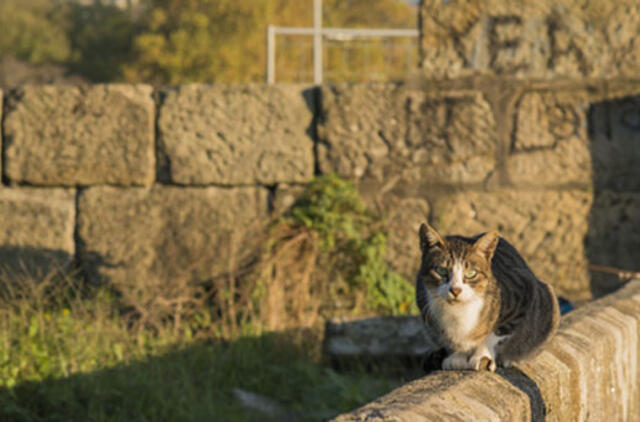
pixel 70 352
pixel 78 359
pixel 195 383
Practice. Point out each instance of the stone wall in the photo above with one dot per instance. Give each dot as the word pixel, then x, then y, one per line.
pixel 137 186
pixel 543 148
pixel 550 164
pixel 589 371
pixel 129 182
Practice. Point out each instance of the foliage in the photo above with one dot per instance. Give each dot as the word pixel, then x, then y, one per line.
pixel 327 257
pixel 100 38
pixel 198 40
pixel 386 290
pixel 34 30
pixel 67 353
pixel 181 41
pixel 224 40
pixel 332 207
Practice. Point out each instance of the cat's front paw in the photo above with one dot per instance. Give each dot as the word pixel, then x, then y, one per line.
pixel 456 361
pixel 482 363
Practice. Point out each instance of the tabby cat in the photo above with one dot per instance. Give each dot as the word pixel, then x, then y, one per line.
pixel 481 302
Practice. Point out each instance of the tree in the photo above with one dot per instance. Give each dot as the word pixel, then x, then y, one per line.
pixel 198 40
pixel 100 37
pixel 34 31
pixel 224 40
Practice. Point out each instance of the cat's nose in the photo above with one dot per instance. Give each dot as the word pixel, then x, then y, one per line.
pixel 455 291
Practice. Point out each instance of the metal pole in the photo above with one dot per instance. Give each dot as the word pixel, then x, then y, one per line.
pixel 271 54
pixel 317 42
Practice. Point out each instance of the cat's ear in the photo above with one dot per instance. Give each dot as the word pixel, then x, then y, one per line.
pixel 429 238
pixel 486 245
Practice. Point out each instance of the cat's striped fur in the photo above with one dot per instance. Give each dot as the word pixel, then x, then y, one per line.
pixel 481 301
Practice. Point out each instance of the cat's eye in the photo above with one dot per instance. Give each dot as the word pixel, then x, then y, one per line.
pixel 442 271
pixel 470 274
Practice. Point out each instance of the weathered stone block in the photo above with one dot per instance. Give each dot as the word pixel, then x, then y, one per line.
pixel 576 137
pixel 70 135
pixel 615 143
pixel 613 237
pixel 552 377
pixel 550 144
pixel 588 371
pixel 390 134
pixel 164 235
pixel 285 196
pixel 403 218
pixel 478 396
pixel 530 39
pixel 37 230
pixel 238 134
pixel 377 338
pixel 548 228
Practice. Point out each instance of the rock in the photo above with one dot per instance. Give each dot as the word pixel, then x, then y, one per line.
pixel 615 136
pixel 613 237
pixel 376 339
pixel 546 39
pixel 390 134
pixel 547 227
pixel 576 137
pixel 37 231
pixel 232 135
pixel 160 237
pixel 404 216
pixel 550 144
pixel 66 135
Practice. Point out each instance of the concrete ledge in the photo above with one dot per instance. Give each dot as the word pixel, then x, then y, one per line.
pixel 589 371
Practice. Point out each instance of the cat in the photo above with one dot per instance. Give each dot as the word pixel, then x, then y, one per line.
pixel 481 302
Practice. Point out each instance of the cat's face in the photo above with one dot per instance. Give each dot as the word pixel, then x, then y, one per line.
pixel 455 270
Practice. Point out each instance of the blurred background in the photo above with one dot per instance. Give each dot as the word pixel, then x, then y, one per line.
pixel 165 42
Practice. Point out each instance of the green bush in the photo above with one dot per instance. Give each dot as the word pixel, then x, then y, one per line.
pixel 353 242
pixel 34 31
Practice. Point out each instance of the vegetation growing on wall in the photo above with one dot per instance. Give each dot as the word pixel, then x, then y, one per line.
pixel 336 260
pixel 324 257
pixel 82 352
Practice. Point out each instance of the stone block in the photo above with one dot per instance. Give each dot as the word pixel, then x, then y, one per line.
pixel 451 396
pixel 552 377
pixel 550 143
pixel 377 338
pixel 237 135
pixel 76 135
pixel 393 135
pixel 403 217
pixel 37 231
pixel 588 371
pixel 159 236
pixel 576 137
pixel 615 143
pixel 613 237
pixel 545 39
pixel 547 228
pixel 285 197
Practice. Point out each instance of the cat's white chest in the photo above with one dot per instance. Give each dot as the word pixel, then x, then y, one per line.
pixel 459 320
